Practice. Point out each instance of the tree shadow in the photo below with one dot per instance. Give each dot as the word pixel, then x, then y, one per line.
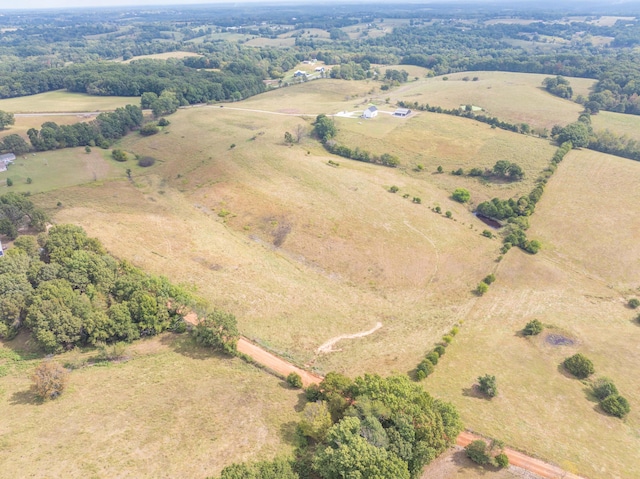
pixel 24 397
pixel 185 345
pixel 474 392
pixel 588 393
pixel 24 346
pixel 302 402
pixel 562 370
pixel 288 432
pixel 461 461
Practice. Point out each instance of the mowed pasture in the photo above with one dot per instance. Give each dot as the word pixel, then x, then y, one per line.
pixel 64 101
pixel 24 123
pixel 53 170
pixel 170 410
pixel 431 140
pixel 164 56
pixel 512 97
pixel 578 286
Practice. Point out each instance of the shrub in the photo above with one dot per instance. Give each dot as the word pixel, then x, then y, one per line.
pixel 163 122
pixel 502 460
pixel 112 352
pixel 440 349
pixel 461 195
pixel 294 380
pixel 533 328
pixel 447 339
pixel 393 189
pixel 416 200
pixel 49 380
pixel 482 288
pixel 433 357
pixel 615 405
pixel 489 278
pixel 634 303
pixel 439 169
pixel 437 209
pixel 313 393
pixel 458 172
pixel 146 161
pixel 477 452
pixel 579 365
pixel 424 369
pixel 9 182
pixel 476 172
pixel 29 181
pixel 603 388
pixel 488 385
pixel 149 129
pixel 119 155
pixel 448 214
pixel 455 330
pixel 487 233
pixel 232 146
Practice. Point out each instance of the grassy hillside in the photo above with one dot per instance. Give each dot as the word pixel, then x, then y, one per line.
pixel 171 410
pixel 64 101
pixel 302 251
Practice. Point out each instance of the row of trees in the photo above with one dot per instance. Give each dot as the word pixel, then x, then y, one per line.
pixel 102 131
pixel 325 130
pixel 387 428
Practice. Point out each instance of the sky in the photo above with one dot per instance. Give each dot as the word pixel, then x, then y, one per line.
pixel 22 4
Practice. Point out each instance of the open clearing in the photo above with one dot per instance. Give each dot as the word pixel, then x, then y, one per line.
pixel 619 123
pixel 302 252
pixel 514 97
pixel 64 101
pixel 163 56
pixel 172 410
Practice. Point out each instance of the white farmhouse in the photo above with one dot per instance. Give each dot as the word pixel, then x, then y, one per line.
pixel 370 112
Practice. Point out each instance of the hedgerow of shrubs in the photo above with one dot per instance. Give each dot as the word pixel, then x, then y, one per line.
pixel 431 359
pixel 610 399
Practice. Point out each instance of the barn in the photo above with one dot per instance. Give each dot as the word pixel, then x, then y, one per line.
pixel 402 112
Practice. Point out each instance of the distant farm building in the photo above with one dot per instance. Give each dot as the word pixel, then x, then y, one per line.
pixel 370 112
pixel 300 73
pixel 1 250
pixel 320 69
pixel 402 112
pixel 5 160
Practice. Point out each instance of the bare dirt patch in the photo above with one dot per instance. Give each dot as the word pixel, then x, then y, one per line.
pixel 328 346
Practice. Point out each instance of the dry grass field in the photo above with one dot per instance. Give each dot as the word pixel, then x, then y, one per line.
pixel 578 285
pixel 64 101
pixel 514 97
pixel 163 56
pixel 171 410
pixel 24 123
pixel 302 252
pixel 619 123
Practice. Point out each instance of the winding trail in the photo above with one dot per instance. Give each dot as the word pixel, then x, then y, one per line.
pixel 328 346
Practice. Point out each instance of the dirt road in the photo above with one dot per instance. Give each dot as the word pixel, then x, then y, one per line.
pixel 541 468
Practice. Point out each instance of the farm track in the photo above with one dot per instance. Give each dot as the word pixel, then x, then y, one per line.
pixel 284 368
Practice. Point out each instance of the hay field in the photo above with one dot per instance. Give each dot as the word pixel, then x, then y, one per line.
pixel 578 284
pixel 24 123
pixel 64 101
pixel 172 410
pixel 514 97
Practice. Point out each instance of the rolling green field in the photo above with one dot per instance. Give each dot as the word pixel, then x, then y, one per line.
pixel 64 101
pixel 619 123
pixel 54 170
pixel 303 252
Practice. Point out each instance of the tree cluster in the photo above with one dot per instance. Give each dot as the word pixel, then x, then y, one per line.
pixel 387 428
pixel 102 131
pixel 558 86
pixel 68 292
pixel 431 359
pixel 17 211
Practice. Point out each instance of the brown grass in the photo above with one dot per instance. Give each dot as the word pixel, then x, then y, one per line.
pixel 173 410
pixel 63 101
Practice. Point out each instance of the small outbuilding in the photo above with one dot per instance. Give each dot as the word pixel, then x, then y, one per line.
pixel 300 73
pixel 6 160
pixel 402 112
pixel 370 112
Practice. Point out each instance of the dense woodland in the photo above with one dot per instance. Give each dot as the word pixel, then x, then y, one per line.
pixel 40 52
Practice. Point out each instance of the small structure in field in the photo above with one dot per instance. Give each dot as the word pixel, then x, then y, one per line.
pixel 402 112
pixel 300 73
pixel 370 112
pixel 1 250
pixel 6 160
